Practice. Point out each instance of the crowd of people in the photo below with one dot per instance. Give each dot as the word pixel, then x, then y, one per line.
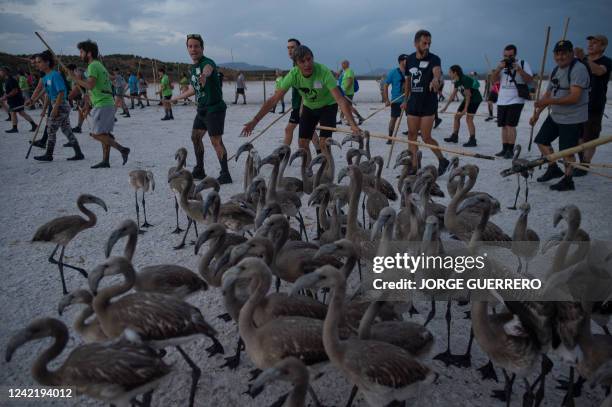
pixel 575 98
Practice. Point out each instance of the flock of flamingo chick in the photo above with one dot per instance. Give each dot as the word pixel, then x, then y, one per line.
pixel 309 319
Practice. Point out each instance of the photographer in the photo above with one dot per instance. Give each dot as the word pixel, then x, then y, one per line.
pixel 567 95
pixel 513 76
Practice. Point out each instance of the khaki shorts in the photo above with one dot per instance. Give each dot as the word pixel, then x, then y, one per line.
pixel 103 119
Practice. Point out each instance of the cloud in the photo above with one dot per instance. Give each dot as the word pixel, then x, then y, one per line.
pixel 263 35
pixel 407 27
pixel 148 29
pixel 14 38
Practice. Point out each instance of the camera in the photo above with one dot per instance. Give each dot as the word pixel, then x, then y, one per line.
pixel 509 62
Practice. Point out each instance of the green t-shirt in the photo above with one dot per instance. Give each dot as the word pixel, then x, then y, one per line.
pixel 466 82
pixel 211 95
pixel 348 90
pixel 316 89
pixel 23 83
pixel 165 86
pixel 101 95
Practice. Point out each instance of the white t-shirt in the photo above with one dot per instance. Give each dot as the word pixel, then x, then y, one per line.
pixel 508 95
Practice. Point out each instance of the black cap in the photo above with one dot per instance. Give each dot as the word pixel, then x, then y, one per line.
pixel 563 45
pixel 402 57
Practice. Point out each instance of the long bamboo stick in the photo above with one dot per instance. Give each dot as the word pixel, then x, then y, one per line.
pixel 265 129
pixel 42 116
pixel 538 89
pixel 467 114
pixel 416 143
pixel 397 126
pixel 556 156
pixel 565 28
pixel 382 108
pixel 597 165
pixel 582 167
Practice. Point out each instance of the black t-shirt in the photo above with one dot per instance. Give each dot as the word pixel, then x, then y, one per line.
pixel 599 86
pixel 9 85
pixel 420 73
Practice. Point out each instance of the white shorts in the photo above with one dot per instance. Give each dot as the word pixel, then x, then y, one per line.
pixel 103 119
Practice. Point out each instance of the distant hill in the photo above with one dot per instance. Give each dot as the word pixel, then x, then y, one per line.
pixel 375 73
pixel 243 66
pixel 131 63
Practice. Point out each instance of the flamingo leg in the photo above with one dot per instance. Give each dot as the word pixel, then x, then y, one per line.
pixel 144 209
pixel 176 208
pixel 195 375
pixel 432 313
pixel 140 231
pixel 182 244
pixel 349 403
pixel 233 361
pixel 60 266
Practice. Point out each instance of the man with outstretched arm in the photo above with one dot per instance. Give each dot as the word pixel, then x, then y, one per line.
pixel 210 116
pixel 423 80
pixel 320 97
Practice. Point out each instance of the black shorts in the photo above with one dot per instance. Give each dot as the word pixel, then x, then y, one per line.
pixel 472 107
pixel 294 117
pixel 240 91
pixel 592 127
pixel 568 134
pixel 422 105
pixel 492 97
pixel 213 122
pixel 325 116
pixel 142 92
pixel 396 109
pixel 509 115
pixel 133 93
pixel 167 97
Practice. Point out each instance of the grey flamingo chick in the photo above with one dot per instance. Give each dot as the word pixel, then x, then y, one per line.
pixel 114 372
pixel 290 369
pixel 144 181
pixel 90 331
pixel 62 230
pixel 525 241
pixel 383 372
pixel 176 185
pixel 160 320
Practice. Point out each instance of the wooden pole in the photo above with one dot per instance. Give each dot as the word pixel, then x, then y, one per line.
pixel 556 156
pixel 397 126
pixel 382 108
pixel 567 20
pixel 540 82
pixel 265 129
pixel 416 143
pixel 138 70
pixel 264 86
pixel 488 62
pixel 589 170
pixel 467 114
pixel 596 165
pixel 42 116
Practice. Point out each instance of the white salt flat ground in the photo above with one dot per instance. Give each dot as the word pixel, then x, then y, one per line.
pixel 36 192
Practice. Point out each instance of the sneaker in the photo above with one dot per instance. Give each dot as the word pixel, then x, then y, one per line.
pixel 76 157
pixel 442 165
pixel 124 154
pixel 44 157
pixel 76 129
pixel 566 184
pixel 101 164
pixel 578 172
pixel 488 119
pixel 13 130
pixel 165 118
pixel 453 138
pixel 553 171
pixel 224 178
pixel 437 123
pixel 198 173
pixel 471 142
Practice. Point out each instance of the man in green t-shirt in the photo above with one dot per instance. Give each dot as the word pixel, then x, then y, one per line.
pixel 296 104
pixel 165 92
pixel 184 86
pixel 320 97
pixel 277 81
pixel 206 86
pixel 472 98
pixel 348 88
pixel 101 97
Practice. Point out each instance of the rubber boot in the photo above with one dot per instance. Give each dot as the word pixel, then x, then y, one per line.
pixel 78 154
pixel 48 156
pixel 224 175
pixel 454 138
pixel 471 142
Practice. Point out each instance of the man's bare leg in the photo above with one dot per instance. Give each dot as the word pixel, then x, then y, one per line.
pixel 198 149
pixel 414 123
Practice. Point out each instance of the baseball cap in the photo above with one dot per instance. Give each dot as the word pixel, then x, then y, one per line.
pixel 599 37
pixel 563 45
pixel 402 57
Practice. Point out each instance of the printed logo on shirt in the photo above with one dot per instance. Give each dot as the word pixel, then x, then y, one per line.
pixel 318 85
pixel 423 64
pixel 415 75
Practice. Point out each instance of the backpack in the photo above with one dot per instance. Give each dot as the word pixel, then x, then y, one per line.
pixel 355 85
pixel 521 88
pixel 569 71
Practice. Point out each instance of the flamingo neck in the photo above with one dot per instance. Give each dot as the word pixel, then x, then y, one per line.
pixel 271 196
pixel 204 267
pixel 367 319
pixel 355 191
pixel 261 282
pixel 91 217
pixel 331 336
pixel 481 324
pixel 40 372
pixel 102 300
pixel 297 397
pixel 130 245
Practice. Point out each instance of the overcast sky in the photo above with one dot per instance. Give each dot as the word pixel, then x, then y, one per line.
pixel 369 33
